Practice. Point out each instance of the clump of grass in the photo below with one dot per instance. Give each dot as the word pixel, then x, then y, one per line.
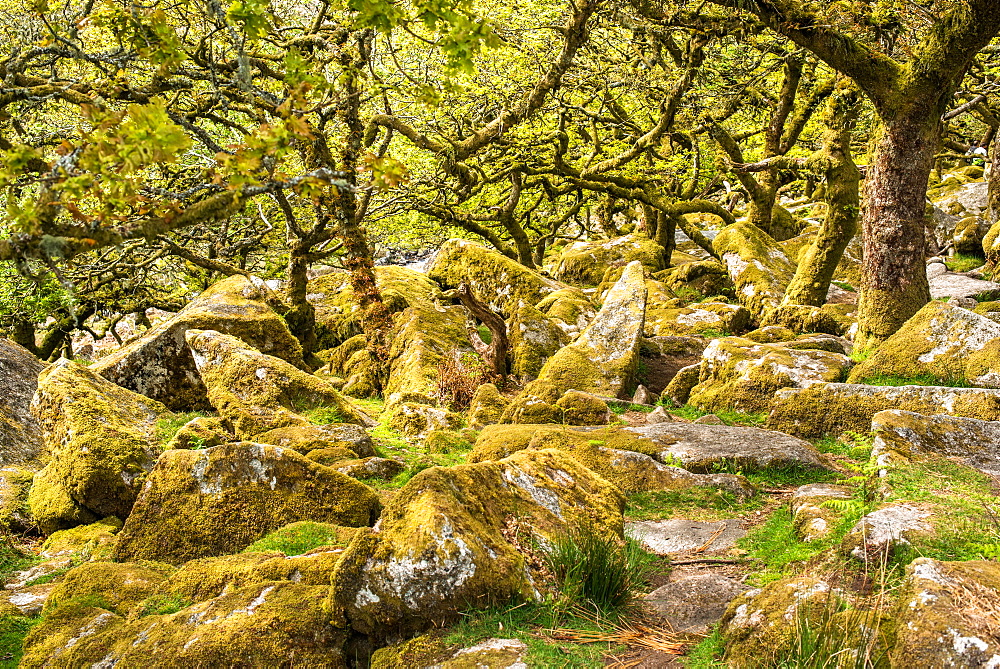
pixel 917 380
pixel 324 415
pixel 961 262
pixel 13 629
pixel 728 416
pixel 591 567
pixel 163 604
pixel 707 654
pixel 775 477
pixel 167 427
pixel 301 537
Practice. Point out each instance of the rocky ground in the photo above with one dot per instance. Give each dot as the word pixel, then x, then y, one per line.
pixel 198 496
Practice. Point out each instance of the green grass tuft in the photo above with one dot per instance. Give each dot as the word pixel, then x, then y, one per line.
pixel 13 629
pixel 298 538
pixel 918 380
pixel 961 262
pixel 166 428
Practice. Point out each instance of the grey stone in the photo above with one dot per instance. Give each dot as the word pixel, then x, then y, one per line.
pixel 959 285
pixel 904 434
pixel 874 536
pixel 693 602
pixel 701 448
pixel 812 517
pixel 665 537
pixel 709 419
pixel 659 415
pixel 20 434
pixel 642 395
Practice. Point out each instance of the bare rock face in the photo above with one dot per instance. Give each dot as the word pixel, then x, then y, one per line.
pixel 159 364
pixel 678 535
pixel 906 435
pixel 20 436
pixel 693 602
pixel 444 543
pixel 947 615
pixel 220 500
pixel 875 535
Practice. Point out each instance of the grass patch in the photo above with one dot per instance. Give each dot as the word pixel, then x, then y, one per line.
pixel 961 262
pixel 166 428
pixel 323 415
pixel 390 443
pixel 163 604
pixel 620 409
pixel 13 629
pixel 697 503
pixel 918 380
pixel 844 286
pixel 728 416
pixel 301 537
pixel 715 334
pixel 707 654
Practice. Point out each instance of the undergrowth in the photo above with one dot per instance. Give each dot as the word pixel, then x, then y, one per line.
pixel 166 428
pixel 728 416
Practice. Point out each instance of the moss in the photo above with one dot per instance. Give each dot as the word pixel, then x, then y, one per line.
pixel 74 634
pixel 94 540
pixel 422 651
pixel 835 319
pixel 569 308
pixel 256 392
pixel 160 365
pixel 533 338
pixel 678 391
pixel 302 537
pixel 305 439
pixel 102 440
pixel 220 500
pixel 414 419
pixel 338 359
pixel 51 505
pixel 328 456
pixel 122 586
pixel 200 432
pixel 487 406
pixel 14 627
pixel 421 336
pixel 695 319
pixel 759 268
pixel 705 277
pixel 771 334
pixel 583 409
pixel 444 442
pixel 588 263
pixel 15 514
pixel 441 545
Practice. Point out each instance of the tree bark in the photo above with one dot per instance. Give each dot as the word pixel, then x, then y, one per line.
pixel 493 354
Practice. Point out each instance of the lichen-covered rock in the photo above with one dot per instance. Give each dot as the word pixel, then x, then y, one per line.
pixel 717 317
pixel 740 374
pixel 834 319
pixel 201 432
pixel 678 391
pixel 603 359
pixel 256 392
pixel 120 585
pixel 904 435
pixel 417 420
pixel 270 624
pixel 384 469
pixel 159 364
pixel 943 341
pixel 429 650
pixel 968 236
pixel 307 438
pixel 875 536
pixel 770 334
pixel 954 287
pixel 693 602
pixel 220 500
pixel 486 407
pixel 583 409
pixel 15 514
pixel 533 339
pixel 811 515
pixel 946 616
pixel 102 441
pixel 759 626
pixel 705 277
pixel 568 308
pixel 834 408
pixel 703 448
pixel 757 265
pixel 20 436
pixel 494 278
pixel 441 544
pixel 954 201
pixel 586 263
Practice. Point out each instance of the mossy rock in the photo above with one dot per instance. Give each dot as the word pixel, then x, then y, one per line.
pixel 301 537
pixel 93 541
pixel 51 505
pixel 429 650
pixel 222 499
pixel 102 440
pixel 487 406
pixel 695 319
pixel 968 236
pixel 759 268
pixel 903 435
pixel 338 359
pixel 834 408
pixel 20 435
pixel 587 263
pixel 678 391
pixel 159 364
pixel 569 308
pixel 705 277
pixel 201 432
pixel 583 409
pixel 15 514
pixel 120 585
pixel 770 334
pixel 814 515
pixel 328 456
pixel 740 374
pixel 418 420
pixel 308 438
pixel 420 338
pixel 834 319
pixel 443 442
pixel 533 339
pixel 441 545
pixel 383 469
pixel 270 624
pixel 941 341
pixel 256 392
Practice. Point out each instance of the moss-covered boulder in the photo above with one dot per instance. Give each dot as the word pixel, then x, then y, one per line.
pixel 586 263
pixel 20 436
pixel 904 435
pixel 833 408
pixel 875 537
pixel 583 409
pixel 941 341
pixel 759 268
pixel 201 432
pixel 717 317
pixel 256 392
pixel 271 624
pixel 444 542
pixel 429 650
pixel 15 514
pixel 159 364
pixel 120 585
pixel 741 374
pixel 603 360
pixel 306 438
pixel 701 277
pixel 418 420
pixel 812 516
pixel 533 339
pixel 759 626
pixel 569 308
pixel 486 407
pixel 946 615
pixel 222 499
pixel 101 439
pixel 384 469
pixel 678 391
pixel 494 278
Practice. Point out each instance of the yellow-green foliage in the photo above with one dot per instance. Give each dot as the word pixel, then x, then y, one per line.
pixel 256 392
pixel 220 500
pixel 302 537
pixel 102 439
pixel 94 541
pixel 121 585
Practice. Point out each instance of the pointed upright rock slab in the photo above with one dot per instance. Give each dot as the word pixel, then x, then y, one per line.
pixel 759 267
pixel 444 543
pixel 102 441
pixel 258 392
pixel 159 364
pixel 220 500
pixel 942 341
pixel 20 436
